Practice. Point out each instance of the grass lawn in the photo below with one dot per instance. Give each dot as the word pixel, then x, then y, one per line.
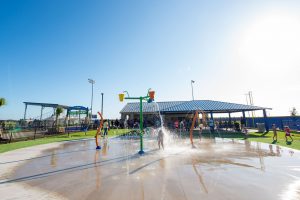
pixel 259 137
pixel 57 138
pixel 268 138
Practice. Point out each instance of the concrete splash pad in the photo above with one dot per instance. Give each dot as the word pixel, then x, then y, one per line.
pixel 216 169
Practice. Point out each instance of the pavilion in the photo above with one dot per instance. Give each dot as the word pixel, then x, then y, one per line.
pixel 181 109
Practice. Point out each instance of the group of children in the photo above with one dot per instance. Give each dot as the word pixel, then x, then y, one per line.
pixel 287 131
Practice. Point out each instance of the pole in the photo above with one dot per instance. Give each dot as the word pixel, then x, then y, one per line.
pixel 141 117
pixel 91 81
pixel 92 99
pixel 41 117
pixel 102 104
pixel 247 104
pixel 229 120
pixel 251 103
pixel 266 120
pixel 192 89
pixel 141 126
pixel 25 111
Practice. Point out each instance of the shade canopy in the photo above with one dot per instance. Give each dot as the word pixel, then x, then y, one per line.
pixel 189 106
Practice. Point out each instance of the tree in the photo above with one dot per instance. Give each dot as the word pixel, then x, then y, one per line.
pixel 294 112
pixel 2 102
pixel 58 111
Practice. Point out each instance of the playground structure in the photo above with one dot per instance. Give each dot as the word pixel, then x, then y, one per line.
pixel 149 98
pixel 46 121
pixel 86 121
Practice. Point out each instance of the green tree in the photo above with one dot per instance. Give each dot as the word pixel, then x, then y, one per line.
pixel 294 112
pixel 2 102
pixel 58 111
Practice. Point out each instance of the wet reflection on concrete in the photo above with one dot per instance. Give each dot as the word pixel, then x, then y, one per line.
pixel 216 169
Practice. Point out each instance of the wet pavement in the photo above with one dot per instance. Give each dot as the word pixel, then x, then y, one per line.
pixel 215 169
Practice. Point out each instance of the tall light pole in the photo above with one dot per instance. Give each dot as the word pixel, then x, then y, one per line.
pixel 247 103
pixel 102 103
pixel 192 81
pixel 249 95
pixel 91 81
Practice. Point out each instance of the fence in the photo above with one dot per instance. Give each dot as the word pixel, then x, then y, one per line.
pixel 280 121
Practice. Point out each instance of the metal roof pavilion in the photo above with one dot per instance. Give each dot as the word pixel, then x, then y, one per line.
pixel 46 105
pixel 190 106
pixel 42 105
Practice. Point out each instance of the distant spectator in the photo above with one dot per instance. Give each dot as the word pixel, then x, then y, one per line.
pixel 211 125
pixel 106 128
pixel 117 123
pixel 136 125
pixel 188 125
pixel 176 125
pixel 181 126
pixel 243 123
pixel 274 132
pixel 237 126
pixel 112 123
pixel 226 125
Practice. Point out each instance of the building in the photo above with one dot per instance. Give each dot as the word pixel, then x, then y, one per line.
pixel 178 110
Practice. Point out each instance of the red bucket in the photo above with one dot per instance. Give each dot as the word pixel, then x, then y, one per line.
pixel 151 94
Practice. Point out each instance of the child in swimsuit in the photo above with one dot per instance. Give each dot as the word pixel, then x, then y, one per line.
pixel 287 133
pixel 274 132
pixel 160 138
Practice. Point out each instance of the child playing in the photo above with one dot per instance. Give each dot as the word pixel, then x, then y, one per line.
pixel 106 128
pixel 160 138
pixel 245 131
pixel 200 131
pixel 274 132
pixel 287 133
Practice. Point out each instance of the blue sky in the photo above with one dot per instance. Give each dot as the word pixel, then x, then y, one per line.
pixel 48 50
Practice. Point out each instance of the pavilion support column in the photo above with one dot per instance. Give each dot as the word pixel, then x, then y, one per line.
pixel 229 122
pixel 25 112
pixel 244 118
pixel 266 120
pixel 211 116
pixel 212 119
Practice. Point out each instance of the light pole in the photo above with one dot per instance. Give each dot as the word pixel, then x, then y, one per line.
pixel 102 103
pixel 192 81
pixel 91 81
pixel 249 94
